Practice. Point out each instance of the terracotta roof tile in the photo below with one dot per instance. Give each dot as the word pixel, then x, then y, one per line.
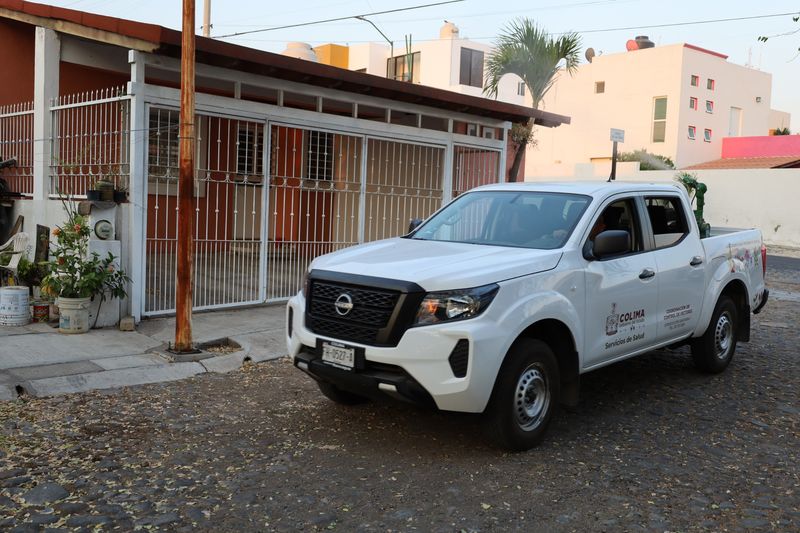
pixel 790 161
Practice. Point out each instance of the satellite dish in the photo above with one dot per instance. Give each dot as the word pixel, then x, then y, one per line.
pixel 590 53
pixel 631 45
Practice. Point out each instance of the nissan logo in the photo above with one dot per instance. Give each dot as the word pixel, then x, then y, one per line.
pixel 343 304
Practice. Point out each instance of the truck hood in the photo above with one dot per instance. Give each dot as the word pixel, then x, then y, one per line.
pixel 436 265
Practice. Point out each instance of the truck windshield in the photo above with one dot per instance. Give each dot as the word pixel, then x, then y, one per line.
pixel 522 219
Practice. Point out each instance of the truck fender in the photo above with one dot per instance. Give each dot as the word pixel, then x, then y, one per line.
pixel 550 309
pixel 721 278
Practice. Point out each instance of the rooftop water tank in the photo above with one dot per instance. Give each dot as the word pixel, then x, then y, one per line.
pixel 448 31
pixel 300 51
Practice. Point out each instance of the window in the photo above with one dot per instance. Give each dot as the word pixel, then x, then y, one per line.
pixel 621 215
pixel 709 106
pixel 599 87
pixel 692 132
pixel 521 88
pixel 659 119
pixel 710 85
pixel 404 68
pixel 471 68
pixel 693 103
pixel 707 135
pixel 666 220
pixel 319 163
pixel 249 150
pixel 163 143
pixel 695 80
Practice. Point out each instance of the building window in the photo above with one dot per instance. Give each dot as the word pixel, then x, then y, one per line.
pixel 599 87
pixel 693 103
pixel 692 132
pixel 707 135
pixel 471 68
pixel 709 106
pixel 695 81
pixel 404 68
pixel 659 119
pixel 319 163
pixel 521 88
pixel 249 150
pixel 710 84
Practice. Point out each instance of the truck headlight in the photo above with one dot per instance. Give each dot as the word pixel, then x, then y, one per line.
pixel 459 304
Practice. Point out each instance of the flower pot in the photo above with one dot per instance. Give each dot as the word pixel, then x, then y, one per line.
pixel 106 189
pixel 120 196
pixel 73 315
pixel 93 194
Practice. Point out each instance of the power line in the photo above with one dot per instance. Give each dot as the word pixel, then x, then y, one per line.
pixel 599 30
pixel 337 19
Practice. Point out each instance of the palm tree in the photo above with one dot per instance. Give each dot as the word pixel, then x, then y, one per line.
pixel 528 51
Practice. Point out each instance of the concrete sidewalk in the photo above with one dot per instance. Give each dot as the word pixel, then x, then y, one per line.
pixel 39 361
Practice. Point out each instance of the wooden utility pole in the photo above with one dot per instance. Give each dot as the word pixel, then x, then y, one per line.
pixel 185 248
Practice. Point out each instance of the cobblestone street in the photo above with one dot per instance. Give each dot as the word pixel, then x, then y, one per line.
pixel 653 446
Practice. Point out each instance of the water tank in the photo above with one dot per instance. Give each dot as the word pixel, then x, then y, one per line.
pixel 448 31
pixel 300 51
pixel 644 42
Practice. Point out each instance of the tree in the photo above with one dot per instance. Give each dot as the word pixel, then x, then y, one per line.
pixel 647 161
pixel 527 50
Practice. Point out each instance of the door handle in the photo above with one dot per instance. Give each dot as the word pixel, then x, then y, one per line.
pixel 696 260
pixel 647 273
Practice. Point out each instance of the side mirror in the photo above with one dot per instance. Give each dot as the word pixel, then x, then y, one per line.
pixel 414 223
pixel 611 242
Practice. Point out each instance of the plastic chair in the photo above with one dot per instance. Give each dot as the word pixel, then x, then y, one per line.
pixel 17 247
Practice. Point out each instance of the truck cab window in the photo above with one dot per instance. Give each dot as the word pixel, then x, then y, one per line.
pixel 620 215
pixel 667 220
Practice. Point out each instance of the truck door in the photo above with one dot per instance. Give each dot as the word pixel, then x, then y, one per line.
pixel 621 292
pixel 679 257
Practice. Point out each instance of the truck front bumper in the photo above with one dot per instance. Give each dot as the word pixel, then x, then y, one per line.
pixel 418 369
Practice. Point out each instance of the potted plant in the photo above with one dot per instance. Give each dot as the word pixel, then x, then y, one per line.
pixel 121 194
pixel 76 277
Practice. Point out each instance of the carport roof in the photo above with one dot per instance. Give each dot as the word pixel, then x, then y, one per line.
pixel 167 42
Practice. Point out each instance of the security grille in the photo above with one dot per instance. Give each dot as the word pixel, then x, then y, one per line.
pixel 91 141
pixel 314 200
pixel 16 141
pixel 228 191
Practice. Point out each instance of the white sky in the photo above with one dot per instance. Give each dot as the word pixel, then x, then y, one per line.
pixel 481 20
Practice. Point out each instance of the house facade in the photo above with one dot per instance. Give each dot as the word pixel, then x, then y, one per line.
pixel 294 158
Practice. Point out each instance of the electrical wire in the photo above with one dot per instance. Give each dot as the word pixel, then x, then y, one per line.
pixel 336 19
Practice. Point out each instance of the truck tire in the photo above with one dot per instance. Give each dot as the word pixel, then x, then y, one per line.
pixel 525 396
pixel 337 395
pixel 714 350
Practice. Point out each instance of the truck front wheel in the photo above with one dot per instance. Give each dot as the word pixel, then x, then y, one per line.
pixel 525 396
pixel 714 350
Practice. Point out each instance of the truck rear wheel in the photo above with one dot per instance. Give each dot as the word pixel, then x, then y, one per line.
pixel 714 350
pixel 337 395
pixel 525 397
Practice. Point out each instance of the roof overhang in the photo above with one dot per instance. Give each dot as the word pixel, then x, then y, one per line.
pixel 157 39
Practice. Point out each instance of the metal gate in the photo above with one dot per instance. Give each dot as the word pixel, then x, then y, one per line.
pixel 332 190
pixel 228 190
pixel 473 167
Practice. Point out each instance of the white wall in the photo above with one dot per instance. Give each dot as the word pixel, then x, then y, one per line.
pixel 779 119
pixel 761 198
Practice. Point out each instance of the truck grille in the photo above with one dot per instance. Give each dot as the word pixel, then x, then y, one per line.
pixel 371 311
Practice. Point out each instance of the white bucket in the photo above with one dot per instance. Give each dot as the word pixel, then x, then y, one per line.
pixel 73 315
pixel 14 307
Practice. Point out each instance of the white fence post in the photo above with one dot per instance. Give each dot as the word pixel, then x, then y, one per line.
pixel 45 89
pixel 137 186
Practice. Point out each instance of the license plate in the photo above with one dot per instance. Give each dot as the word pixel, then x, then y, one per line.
pixel 338 355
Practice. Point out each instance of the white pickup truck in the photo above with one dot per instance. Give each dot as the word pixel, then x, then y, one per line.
pixel 499 301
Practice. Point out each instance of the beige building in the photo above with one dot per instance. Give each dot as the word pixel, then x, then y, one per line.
pixel 678 101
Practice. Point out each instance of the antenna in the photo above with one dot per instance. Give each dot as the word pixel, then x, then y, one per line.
pixel 590 54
